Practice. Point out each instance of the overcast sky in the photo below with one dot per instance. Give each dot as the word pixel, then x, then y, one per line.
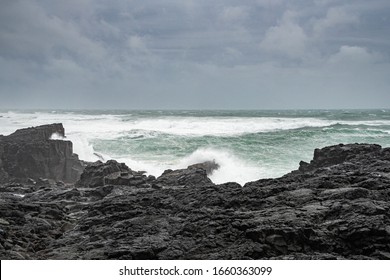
pixel 194 54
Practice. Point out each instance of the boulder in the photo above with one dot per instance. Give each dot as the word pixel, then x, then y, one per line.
pixel 193 175
pixel 110 173
pixel 208 166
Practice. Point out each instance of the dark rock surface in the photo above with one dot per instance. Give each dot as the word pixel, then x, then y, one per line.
pixel 194 175
pixel 29 153
pixel 336 207
pixel 111 173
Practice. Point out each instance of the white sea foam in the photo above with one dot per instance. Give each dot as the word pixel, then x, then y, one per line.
pixel 113 126
pixel 155 168
pixel 190 126
pixel 231 167
pixel 84 149
pixel 367 122
pixel 57 136
pixel 92 126
pixel 85 129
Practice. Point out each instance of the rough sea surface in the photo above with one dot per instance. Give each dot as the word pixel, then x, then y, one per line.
pixel 248 145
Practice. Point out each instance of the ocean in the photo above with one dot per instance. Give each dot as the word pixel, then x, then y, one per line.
pixel 248 145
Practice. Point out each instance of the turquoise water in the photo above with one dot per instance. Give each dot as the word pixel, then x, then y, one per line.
pixel 248 145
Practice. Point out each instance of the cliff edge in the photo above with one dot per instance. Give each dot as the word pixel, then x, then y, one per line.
pixel 31 153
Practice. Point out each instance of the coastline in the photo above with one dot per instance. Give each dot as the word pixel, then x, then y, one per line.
pixel 248 145
pixel 335 207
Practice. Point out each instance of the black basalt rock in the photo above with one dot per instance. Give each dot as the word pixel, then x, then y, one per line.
pixel 193 175
pixel 337 154
pixel 111 173
pixel 30 153
pixel 335 207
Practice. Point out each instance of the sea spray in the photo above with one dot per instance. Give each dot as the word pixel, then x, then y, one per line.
pixel 248 145
pixel 231 168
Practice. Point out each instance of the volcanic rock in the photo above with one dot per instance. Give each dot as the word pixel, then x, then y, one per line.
pixel 208 166
pixel 30 153
pixel 194 175
pixel 111 173
pixel 335 207
pixel 337 154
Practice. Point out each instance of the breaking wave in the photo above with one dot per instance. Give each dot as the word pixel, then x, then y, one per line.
pixel 231 167
pixel 247 145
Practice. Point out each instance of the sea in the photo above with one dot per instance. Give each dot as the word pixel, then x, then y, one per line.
pixel 247 145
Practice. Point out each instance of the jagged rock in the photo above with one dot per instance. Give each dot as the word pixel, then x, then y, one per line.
pixel 208 166
pixel 3 222
pixel 336 207
pixel 38 133
pixel 110 173
pixel 29 153
pixel 333 155
pixel 194 175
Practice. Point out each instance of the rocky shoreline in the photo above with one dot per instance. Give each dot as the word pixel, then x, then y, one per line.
pixel 54 206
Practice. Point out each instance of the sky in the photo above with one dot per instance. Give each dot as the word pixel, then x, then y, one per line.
pixel 194 54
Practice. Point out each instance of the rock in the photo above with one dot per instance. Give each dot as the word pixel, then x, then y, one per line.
pixel 45 182
pixel 31 181
pixel 194 175
pixel 110 173
pixel 60 183
pixel 29 153
pixel 3 222
pixel 337 154
pixel 39 133
pixel 208 166
pixel 335 207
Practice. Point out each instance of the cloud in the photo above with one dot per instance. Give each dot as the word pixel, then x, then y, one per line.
pixel 136 43
pixel 32 33
pixel 194 54
pixel 327 2
pixel 269 3
pixel 336 16
pixel 287 38
pixel 354 56
pixel 233 14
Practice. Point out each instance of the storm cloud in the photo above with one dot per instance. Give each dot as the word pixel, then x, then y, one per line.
pixel 174 54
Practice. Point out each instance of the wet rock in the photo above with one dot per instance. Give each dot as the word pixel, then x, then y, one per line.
pixel 337 154
pixel 208 166
pixel 30 153
pixel 335 207
pixel 194 175
pixel 110 173
pixel 3 222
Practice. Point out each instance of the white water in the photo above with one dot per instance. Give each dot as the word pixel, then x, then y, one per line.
pixel 85 130
pixel 231 168
pixel 223 126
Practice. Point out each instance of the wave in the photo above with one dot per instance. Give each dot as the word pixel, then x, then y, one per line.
pixel 57 136
pixel 231 126
pixel 92 126
pixel 110 126
pixel 85 150
pixel 366 127
pixel 232 168
pixel 223 126
pixel 155 142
